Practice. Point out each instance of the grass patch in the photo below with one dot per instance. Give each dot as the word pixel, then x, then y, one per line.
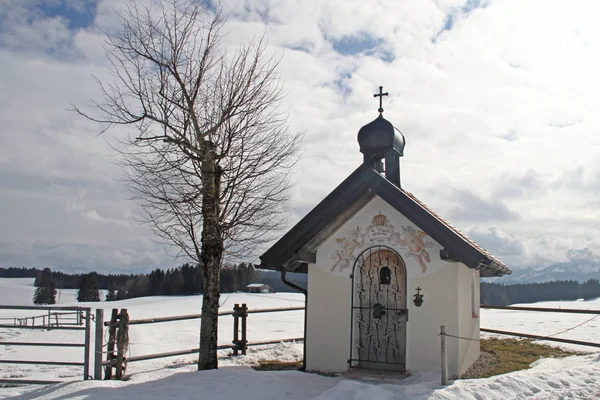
pixel 515 355
pixel 276 365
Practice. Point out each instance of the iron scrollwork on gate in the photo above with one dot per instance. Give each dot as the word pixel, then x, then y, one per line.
pixel 379 314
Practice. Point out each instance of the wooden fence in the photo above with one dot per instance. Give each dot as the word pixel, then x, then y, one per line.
pixel 118 337
pixel 75 319
pixel 119 326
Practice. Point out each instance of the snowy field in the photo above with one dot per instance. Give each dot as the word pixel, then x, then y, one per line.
pixel 572 377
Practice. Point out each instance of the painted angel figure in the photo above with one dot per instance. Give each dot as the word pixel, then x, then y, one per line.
pixel 343 256
pixel 412 239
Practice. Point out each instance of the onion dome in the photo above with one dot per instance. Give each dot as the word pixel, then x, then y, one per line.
pixel 379 136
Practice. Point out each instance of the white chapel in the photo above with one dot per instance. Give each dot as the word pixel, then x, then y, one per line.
pixel 384 271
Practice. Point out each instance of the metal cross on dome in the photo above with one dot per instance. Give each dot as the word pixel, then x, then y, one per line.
pixel 380 95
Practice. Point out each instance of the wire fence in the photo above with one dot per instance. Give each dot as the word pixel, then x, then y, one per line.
pixel 443 334
pixel 538 337
pixel 551 337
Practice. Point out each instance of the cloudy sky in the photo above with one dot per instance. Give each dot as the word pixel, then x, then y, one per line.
pixel 499 102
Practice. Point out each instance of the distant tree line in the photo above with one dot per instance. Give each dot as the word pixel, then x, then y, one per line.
pixel 499 294
pixel 183 280
pixel 12 272
pixel 187 280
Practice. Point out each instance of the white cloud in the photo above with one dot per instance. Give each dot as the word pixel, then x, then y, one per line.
pixel 503 108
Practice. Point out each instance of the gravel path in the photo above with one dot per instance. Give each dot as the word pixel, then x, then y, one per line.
pixel 482 367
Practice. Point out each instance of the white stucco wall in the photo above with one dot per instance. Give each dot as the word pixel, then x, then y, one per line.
pixel 468 317
pixel 439 308
pixel 327 321
pixel 444 286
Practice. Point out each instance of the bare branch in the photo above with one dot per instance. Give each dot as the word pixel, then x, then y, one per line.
pixel 210 162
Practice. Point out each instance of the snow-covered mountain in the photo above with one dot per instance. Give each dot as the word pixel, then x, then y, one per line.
pixel 580 266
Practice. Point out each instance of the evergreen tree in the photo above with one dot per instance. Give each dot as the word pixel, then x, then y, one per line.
pixel 157 282
pixel 173 282
pixel 121 293
pixel 45 293
pixel 88 288
pixel 111 295
pixel 139 286
pixel 590 289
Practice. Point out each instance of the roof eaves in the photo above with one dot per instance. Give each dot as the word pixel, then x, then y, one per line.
pixel 468 252
pixel 343 196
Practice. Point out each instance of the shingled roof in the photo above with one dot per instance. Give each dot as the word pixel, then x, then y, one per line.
pixel 295 249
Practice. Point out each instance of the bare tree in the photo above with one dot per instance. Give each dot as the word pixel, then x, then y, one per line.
pixel 210 159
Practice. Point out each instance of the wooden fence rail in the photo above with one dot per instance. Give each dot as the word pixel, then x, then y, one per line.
pixel 272 310
pixel 157 320
pixel 118 337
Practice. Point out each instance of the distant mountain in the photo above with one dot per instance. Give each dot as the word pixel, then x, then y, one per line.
pixel 581 266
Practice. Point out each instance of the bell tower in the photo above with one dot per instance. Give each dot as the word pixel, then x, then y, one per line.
pixel 382 145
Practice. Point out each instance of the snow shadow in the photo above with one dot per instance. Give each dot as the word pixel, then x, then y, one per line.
pixel 229 383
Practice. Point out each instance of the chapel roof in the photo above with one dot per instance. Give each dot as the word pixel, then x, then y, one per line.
pixel 296 248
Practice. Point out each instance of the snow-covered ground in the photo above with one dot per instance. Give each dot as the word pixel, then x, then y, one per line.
pixel 572 377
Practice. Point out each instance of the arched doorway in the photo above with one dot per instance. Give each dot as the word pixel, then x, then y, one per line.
pixel 379 314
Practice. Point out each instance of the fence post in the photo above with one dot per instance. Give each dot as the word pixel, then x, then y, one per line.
pixel 122 343
pixel 244 320
pixel 236 328
pixel 112 338
pixel 86 355
pixel 98 344
pixel 444 358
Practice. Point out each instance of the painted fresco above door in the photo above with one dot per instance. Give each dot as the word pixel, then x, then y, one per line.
pixel 415 246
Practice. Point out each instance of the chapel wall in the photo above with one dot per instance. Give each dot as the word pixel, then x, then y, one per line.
pixel 328 316
pixel 330 287
pixel 468 317
pixel 439 308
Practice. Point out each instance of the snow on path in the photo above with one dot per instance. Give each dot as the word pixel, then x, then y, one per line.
pixel 234 383
pixel 570 378
pixel 573 378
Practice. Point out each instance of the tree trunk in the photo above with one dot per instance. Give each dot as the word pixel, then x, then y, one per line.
pixel 211 254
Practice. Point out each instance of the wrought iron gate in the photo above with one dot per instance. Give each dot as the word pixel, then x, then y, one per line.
pixel 379 314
